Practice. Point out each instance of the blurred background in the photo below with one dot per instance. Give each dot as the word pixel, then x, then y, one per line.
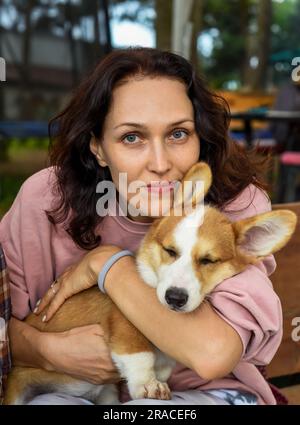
pixel 246 49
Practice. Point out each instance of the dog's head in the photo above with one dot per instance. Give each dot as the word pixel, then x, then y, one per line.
pixel 185 256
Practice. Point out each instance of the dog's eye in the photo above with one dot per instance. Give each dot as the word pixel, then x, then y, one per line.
pixel 205 260
pixel 171 252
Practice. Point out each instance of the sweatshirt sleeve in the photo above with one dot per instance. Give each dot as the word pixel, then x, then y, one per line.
pixel 247 300
pixel 25 235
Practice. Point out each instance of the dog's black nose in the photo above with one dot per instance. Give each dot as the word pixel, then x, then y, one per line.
pixel 176 297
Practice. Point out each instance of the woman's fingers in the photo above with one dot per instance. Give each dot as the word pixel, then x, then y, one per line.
pixel 77 277
pixel 54 305
pixel 56 294
pixel 42 304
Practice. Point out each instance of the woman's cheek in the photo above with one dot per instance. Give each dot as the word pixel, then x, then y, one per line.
pixel 188 155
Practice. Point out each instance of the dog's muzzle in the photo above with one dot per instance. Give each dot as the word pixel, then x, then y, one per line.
pixel 176 298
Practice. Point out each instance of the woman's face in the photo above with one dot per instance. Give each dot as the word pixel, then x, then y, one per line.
pixel 149 134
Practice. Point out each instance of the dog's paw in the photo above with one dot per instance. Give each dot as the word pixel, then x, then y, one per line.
pixel 154 389
pixel 158 390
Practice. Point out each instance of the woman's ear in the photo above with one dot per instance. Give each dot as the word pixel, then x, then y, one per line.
pixel 96 150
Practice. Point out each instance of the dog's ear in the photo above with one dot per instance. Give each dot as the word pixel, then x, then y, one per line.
pixel 193 187
pixel 265 233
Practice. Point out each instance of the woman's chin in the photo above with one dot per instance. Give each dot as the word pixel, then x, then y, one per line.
pixel 150 215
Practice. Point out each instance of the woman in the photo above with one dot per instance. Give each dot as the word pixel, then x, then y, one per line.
pixel 52 231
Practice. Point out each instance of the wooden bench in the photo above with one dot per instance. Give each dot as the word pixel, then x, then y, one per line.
pixel 239 101
pixel 285 367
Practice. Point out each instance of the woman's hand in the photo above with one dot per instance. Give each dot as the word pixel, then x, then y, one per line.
pixel 76 278
pixel 82 353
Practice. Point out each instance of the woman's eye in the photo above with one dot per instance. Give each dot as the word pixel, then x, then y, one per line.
pixel 130 138
pixel 178 132
pixel 171 252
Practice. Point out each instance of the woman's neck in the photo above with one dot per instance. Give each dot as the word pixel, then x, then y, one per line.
pixel 139 218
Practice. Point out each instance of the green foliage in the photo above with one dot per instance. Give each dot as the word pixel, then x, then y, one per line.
pixel 286 29
pixel 31 143
pixel 228 19
pixel 9 187
pixel 12 178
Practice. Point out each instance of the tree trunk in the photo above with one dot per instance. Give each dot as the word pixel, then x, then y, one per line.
pixel 72 44
pixel 27 43
pixel 197 19
pixel 244 34
pixel 108 46
pixel 259 47
pixel 264 36
pixel 97 46
pixel 163 24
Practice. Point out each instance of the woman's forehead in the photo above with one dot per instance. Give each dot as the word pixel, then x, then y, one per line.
pixel 147 84
pixel 141 101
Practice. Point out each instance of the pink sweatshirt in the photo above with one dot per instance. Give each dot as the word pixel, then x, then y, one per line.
pixel 36 254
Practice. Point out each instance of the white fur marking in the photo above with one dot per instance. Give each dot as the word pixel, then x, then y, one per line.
pixel 181 274
pixel 139 371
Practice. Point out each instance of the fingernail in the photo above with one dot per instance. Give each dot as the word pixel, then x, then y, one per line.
pixel 36 306
pixel 44 318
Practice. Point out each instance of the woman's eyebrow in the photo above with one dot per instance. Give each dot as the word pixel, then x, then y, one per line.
pixel 139 125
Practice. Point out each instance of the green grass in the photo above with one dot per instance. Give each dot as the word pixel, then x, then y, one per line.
pixel 9 187
pixel 10 182
pixel 16 145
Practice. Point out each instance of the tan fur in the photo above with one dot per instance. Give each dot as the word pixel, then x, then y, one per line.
pixel 217 238
pixel 98 308
pixel 88 307
pixel 20 378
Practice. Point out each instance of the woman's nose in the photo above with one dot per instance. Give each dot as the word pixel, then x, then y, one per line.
pixel 159 159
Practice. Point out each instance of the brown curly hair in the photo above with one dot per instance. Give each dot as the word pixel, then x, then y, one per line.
pixel 76 168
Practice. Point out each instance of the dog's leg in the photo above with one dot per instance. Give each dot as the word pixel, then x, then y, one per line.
pixel 163 365
pixel 138 370
pixel 135 359
pixel 108 395
pixel 25 383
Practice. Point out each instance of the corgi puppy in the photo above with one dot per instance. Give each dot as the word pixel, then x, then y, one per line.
pixel 183 257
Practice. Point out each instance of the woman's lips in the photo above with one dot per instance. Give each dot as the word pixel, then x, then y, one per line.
pixel 166 187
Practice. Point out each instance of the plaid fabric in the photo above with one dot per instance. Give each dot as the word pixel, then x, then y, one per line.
pixel 5 312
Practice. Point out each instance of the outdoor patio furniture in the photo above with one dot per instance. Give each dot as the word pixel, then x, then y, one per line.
pixel 288 176
pixel 284 369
